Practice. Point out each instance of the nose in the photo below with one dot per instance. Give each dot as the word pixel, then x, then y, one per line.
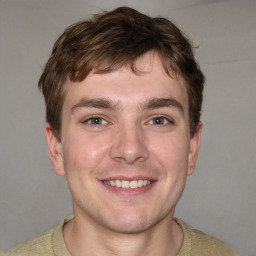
pixel 129 145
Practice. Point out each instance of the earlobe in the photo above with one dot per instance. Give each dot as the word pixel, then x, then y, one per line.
pixel 194 149
pixel 55 150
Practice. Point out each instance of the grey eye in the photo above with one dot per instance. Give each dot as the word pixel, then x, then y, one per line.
pixel 159 120
pixel 95 121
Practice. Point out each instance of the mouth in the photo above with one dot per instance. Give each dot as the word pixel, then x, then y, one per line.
pixel 126 184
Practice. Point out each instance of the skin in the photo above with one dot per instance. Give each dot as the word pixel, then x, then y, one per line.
pixel 120 125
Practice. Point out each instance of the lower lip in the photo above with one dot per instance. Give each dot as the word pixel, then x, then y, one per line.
pixel 128 192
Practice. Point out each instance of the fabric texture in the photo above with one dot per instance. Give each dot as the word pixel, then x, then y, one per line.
pixel 195 243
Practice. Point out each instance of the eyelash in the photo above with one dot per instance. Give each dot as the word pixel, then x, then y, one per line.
pixel 89 120
pixel 97 120
pixel 163 118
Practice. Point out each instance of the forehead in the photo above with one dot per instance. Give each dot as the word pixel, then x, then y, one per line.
pixel 125 86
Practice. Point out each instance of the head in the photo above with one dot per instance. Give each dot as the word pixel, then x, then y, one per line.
pixel 109 41
pixel 123 97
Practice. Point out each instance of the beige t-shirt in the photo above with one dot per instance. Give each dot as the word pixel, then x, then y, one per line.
pixel 195 243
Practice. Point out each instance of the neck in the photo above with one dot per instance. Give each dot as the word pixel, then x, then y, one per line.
pixel 165 238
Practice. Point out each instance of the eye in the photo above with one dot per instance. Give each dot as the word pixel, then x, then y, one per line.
pixel 160 120
pixel 95 121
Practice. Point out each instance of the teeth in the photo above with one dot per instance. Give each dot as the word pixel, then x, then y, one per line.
pixel 140 183
pixel 127 184
pixel 134 184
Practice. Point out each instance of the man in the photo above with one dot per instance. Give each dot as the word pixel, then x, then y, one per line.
pixel 123 97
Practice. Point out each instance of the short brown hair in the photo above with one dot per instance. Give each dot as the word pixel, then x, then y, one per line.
pixel 111 40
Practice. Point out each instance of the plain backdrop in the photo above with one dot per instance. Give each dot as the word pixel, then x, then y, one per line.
pixel 219 198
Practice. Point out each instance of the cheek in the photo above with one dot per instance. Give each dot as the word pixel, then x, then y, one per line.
pixel 172 151
pixel 83 152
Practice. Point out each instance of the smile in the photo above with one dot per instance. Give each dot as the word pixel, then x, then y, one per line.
pixel 127 184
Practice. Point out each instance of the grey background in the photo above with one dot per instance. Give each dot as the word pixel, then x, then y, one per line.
pixel 219 198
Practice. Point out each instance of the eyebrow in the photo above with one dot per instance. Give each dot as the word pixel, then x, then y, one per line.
pixel 163 102
pixel 153 103
pixel 95 103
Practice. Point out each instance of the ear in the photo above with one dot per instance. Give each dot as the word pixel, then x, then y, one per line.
pixel 195 142
pixel 55 150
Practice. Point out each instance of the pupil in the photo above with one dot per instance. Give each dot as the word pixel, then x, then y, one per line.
pixel 96 120
pixel 158 121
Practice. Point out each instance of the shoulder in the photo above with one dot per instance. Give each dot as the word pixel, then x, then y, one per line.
pixel 197 243
pixel 210 245
pixel 40 245
pixel 50 243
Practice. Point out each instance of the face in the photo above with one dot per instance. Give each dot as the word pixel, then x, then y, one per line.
pixel 125 146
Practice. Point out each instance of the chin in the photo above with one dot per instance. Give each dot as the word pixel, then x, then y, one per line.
pixel 129 228
pixel 133 224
